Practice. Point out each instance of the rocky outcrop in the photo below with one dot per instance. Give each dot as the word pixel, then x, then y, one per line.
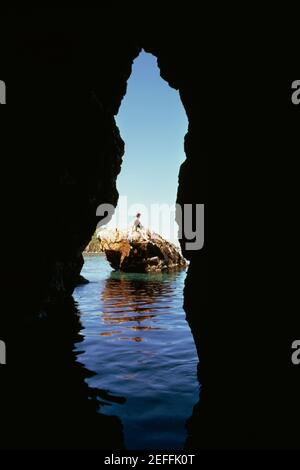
pixel 139 251
pixel 93 246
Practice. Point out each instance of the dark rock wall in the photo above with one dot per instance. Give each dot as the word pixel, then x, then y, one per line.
pixel 68 81
pixel 64 149
pixel 66 71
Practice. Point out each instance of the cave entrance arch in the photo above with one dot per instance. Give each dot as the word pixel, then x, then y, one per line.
pixel 142 314
pixel 153 123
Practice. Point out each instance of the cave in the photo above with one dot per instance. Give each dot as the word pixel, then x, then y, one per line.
pixel 65 80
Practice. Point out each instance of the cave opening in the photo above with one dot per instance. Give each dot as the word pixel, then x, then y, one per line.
pixel 153 123
pixel 77 66
pixel 134 327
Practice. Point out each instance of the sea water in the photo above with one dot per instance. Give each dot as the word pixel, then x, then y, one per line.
pixel 140 348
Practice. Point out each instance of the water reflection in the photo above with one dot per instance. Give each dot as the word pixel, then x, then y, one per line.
pixel 134 301
pixel 139 345
pixel 118 372
pixel 45 399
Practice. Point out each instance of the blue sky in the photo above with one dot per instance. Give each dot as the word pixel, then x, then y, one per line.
pixel 153 124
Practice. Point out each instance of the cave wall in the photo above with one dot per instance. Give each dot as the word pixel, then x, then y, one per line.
pixel 66 75
pixel 64 150
pixel 66 70
pixel 68 81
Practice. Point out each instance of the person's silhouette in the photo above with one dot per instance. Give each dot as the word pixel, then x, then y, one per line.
pixel 137 223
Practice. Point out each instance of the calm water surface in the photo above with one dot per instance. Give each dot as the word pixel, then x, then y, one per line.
pixel 137 342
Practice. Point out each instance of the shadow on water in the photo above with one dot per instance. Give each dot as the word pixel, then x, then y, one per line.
pixel 45 400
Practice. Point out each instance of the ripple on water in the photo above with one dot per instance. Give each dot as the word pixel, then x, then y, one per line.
pixel 140 348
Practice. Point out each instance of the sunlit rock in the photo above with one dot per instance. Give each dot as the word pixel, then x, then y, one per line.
pixel 139 251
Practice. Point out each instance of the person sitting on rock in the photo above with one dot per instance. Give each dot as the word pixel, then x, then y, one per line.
pixel 138 231
pixel 137 223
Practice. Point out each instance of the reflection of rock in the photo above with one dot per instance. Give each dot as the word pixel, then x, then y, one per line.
pixel 82 280
pixel 130 303
pixel 139 251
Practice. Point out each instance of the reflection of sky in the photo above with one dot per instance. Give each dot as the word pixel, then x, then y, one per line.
pixel 153 124
pixel 139 346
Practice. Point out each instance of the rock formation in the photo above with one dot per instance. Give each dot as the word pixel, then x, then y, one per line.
pixel 139 251
pixel 66 70
pixel 93 247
